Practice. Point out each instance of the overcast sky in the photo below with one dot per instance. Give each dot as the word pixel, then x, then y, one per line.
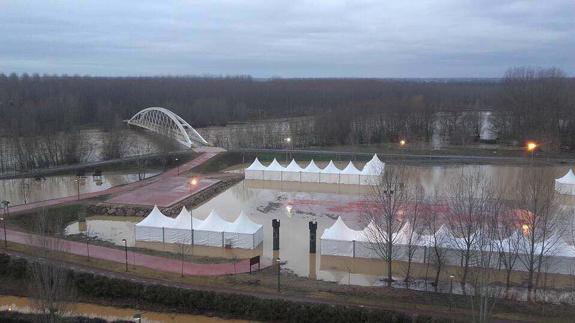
pixel 292 38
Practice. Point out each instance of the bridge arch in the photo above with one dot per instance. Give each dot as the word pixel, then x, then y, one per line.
pixel 164 122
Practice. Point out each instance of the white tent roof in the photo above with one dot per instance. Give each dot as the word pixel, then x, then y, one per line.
pixel 568 178
pixel 182 221
pixel 293 167
pixel 331 168
pixel 214 223
pixel 243 224
pixel 156 219
pixel 340 231
pixel 373 167
pixel 312 168
pixel 275 166
pixel 256 165
pixel 350 169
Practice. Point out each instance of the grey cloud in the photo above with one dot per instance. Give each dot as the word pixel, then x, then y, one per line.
pixel 303 38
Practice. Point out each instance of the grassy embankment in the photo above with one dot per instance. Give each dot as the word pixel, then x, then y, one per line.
pixel 265 283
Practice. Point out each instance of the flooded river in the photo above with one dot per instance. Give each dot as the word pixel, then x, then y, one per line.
pixel 27 190
pixel 109 313
pixel 296 204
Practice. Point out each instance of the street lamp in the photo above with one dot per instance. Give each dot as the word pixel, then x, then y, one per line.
pixel 451 291
pixel 193 183
pixel 177 166
pixel 402 143
pixel 288 140
pixel 5 238
pixel 531 146
pixel 77 180
pixel 278 261
pixel 126 250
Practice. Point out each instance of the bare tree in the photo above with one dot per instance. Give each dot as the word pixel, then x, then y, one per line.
pixel 542 220
pixel 437 241
pixel 386 217
pixel 468 200
pixel 413 218
pixel 49 281
pixel 485 295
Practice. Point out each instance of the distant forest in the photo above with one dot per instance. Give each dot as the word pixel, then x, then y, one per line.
pixel 527 103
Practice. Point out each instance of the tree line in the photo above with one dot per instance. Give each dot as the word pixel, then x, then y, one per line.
pixel 527 103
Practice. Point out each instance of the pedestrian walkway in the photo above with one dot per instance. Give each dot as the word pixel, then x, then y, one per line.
pixel 116 189
pixel 134 258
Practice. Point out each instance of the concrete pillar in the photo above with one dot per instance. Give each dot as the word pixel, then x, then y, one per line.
pixel 276 234
pixel 312 236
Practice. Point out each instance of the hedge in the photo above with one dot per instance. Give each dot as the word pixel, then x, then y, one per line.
pixel 209 302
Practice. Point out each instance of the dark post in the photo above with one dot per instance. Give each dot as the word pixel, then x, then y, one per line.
pixel 312 236
pixel 276 234
pixel 126 250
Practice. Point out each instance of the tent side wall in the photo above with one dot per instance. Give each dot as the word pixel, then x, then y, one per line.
pixel 336 248
pixel 208 238
pixel 563 188
pixel 272 175
pixel 289 176
pixel 310 177
pixel 144 233
pixel 329 178
pixel 254 174
pixel 173 235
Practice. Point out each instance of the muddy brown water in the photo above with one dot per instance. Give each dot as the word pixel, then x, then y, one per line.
pixel 25 305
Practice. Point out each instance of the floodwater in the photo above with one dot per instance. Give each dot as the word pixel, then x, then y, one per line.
pixel 109 313
pixel 27 190
pixel 295 204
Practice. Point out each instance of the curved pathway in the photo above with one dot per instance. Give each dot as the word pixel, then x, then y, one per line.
pixel 202 158
pixel 134 258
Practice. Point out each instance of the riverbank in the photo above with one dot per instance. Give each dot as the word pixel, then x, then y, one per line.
pixel 255 296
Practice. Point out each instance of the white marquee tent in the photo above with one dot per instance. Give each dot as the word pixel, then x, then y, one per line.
pixel 152 227
pixel 293 172
pixel 213 231
pixel 255 170
pixel 313 174
pixel 566 184
pixel 181 230
pixel 340 240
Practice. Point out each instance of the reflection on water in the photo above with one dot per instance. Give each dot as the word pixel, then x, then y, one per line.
pixel 295 204
pixel 109 313
pixel 21 190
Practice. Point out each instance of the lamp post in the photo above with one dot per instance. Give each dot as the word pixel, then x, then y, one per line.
pixel 279 270
pixel 126 251
pixel 193 183
pixel 5 238
pixel 531 146
pixel 77 180
pixel 177 166
pixel 288 140
pixel 402 143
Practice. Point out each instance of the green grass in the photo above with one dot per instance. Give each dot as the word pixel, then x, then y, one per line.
pixel 57 218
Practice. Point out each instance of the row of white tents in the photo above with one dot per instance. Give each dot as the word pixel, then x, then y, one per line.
pixel 566 184
pixel 340 240
pixel 212 231
pixel 293 172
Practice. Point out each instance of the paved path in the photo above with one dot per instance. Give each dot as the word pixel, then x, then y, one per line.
pixel 137 259
pixel 116 189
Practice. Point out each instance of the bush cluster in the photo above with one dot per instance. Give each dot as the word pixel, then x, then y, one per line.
pixel 95 286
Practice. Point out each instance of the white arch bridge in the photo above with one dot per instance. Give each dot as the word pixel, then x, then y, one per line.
pixel 164 122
